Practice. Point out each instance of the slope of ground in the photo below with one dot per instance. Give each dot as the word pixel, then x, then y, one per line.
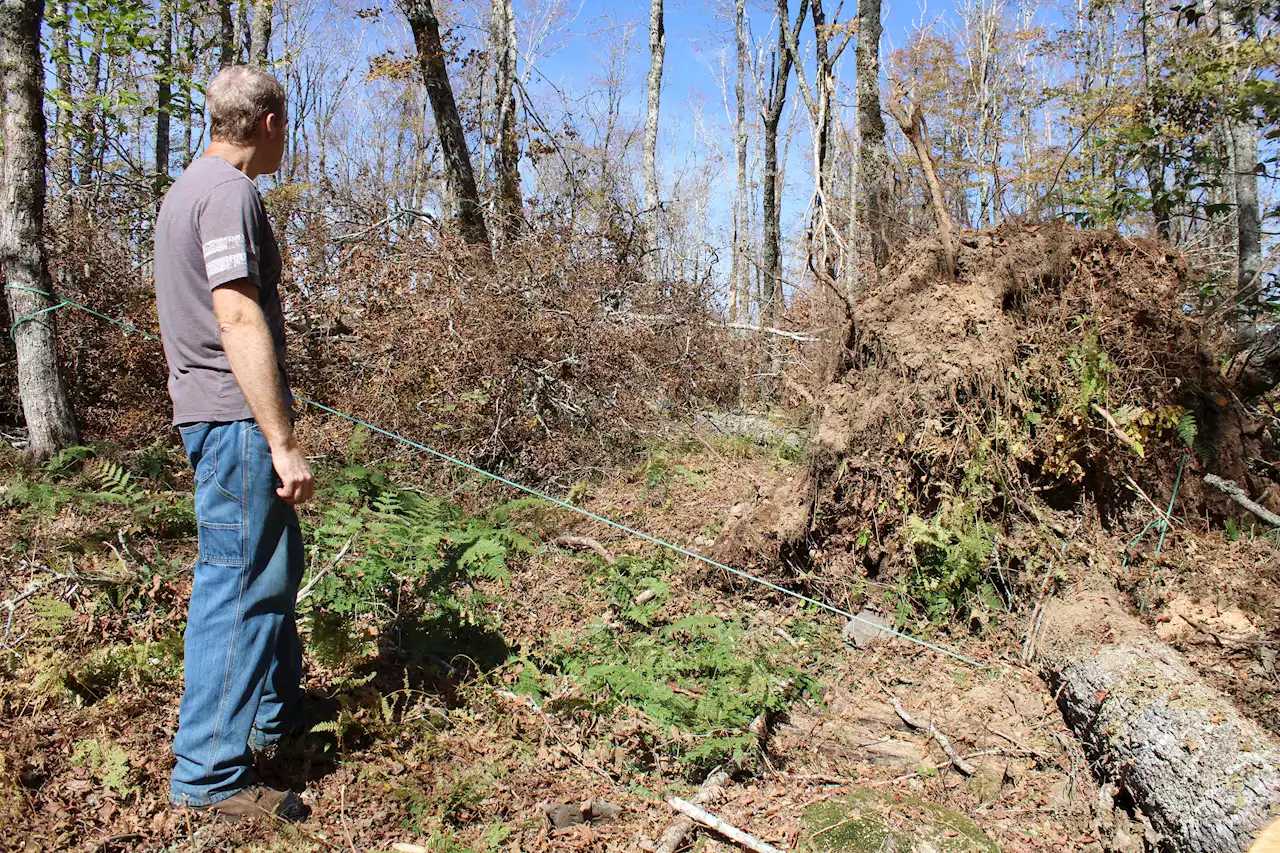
pixel 570 680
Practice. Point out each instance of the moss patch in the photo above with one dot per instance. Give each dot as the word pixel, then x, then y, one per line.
pixel 868 821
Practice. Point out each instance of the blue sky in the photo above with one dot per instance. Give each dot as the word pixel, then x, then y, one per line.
pixel 695 37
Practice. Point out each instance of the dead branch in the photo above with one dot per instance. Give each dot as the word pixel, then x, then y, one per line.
pixel 11 604
pixel 584 543
pixel 957 760
pixel 1120 433
pixel 712 791
pixel 729 831
pixel 1222 639
pixel 1233 491
pixel 911 120
pixel 311 584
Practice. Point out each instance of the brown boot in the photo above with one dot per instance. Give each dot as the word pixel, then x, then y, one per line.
pixel 259 800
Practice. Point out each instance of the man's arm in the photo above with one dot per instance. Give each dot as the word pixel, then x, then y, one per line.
pixel 249 348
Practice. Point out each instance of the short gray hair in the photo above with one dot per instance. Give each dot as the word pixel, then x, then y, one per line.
pixel 238 98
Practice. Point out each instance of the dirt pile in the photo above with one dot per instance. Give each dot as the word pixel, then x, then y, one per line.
pixel 1060 365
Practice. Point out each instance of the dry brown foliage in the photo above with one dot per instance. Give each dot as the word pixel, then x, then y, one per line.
pixel 553 357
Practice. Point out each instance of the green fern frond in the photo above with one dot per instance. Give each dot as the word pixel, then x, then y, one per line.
pixel 67 458
pixel 698 625
pixel 1187 428
pixel 110 478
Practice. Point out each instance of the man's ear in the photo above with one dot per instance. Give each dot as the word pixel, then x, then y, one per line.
pixel 273 124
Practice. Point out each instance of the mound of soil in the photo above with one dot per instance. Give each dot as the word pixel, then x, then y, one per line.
pixel 1060 364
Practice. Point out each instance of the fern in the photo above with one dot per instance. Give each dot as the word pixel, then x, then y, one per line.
pixel 701 678
pixel 405 547
pixel 110 479
pixel 68 458
pixel 1187 428
pixel 952 554
pixel 107 763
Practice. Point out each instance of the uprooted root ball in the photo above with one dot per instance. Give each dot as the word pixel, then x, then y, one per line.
pixel 1059 366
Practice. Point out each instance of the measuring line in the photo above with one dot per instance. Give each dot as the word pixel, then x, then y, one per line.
pixel 537 494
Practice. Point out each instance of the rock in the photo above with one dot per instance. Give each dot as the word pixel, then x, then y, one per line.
pixel 869 820
pixel 868 628
pixel 563 815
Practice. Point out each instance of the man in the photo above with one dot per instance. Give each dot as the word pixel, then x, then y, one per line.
pixel 217 270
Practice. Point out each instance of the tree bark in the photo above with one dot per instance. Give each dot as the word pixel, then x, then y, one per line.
pixel 771 108
pixel 164 84
pixel 261 34
pixel 653 87
pixel 63 118
pixel 453 139
pixel 872 156
pixel 1242 142
pixel 1258 369
pixel 45 405
pixel 227 48
pixel 911 120
pixel 740 281
pixel 243 32
pixel 510 204
pixel 89 122
pixel 1206 777
pixel 1153 153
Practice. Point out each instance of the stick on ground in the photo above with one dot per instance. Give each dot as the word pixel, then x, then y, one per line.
pixel 957 760
pixel 712 790
pixel 1233 491
pixel 729 831
pixel 584 543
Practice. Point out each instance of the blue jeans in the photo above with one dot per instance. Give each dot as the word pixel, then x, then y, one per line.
pixel 243 662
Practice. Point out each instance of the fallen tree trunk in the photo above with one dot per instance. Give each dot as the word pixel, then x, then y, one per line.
pixel 1207 778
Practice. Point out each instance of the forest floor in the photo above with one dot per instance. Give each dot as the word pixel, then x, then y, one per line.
pixel 566 680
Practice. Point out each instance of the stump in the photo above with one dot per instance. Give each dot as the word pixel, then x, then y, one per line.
pixel 1207 778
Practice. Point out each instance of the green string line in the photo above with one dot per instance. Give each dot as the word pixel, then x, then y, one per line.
pixel 564 504
pixel 65 302
pixel 1162 522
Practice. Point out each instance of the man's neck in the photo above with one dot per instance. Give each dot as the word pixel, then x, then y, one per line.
pixel 240 156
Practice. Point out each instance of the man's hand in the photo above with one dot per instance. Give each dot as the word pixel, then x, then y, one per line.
pixel 294 471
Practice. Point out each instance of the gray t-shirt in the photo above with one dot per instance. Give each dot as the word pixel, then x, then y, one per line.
pixel 212 229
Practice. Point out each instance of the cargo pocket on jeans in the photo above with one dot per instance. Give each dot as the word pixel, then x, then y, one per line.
pixel 219 515
pixel 221 544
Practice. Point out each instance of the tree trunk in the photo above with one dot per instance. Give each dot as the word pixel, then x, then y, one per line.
pixel 1153 154
pixel 261 35
pixel 739 285
pixel 45 405
pixel 772 113
pixel 164 83
pixel 243 33
pixel 63 118
pixel 1242 143
pixel 453 139
pixel 872 156
pixel 1258 369
pixel 911 120
pixel 510 204
pixel 1206 777
pixel 89 123
pixel 657 52
pixel 227 48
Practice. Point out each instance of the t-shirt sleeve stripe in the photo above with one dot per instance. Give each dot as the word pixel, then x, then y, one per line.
pixel 231 219
pixel 223 244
